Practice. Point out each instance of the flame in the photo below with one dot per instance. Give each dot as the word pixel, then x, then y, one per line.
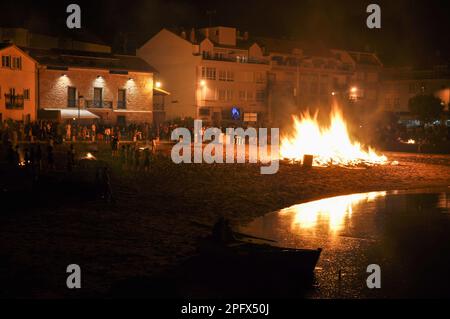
pixel 330 145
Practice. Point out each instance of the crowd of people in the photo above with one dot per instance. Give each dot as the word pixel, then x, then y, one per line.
pixel 17 131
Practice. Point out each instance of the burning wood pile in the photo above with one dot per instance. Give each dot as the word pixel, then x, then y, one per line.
pixel 314 145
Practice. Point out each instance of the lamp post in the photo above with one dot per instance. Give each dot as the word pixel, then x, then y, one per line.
pixel 80 101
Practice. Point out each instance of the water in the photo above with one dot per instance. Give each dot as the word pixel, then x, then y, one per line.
pixel 407 233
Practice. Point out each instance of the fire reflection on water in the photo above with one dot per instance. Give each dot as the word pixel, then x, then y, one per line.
pixel 333 212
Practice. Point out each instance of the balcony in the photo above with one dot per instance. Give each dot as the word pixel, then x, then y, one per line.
pixel 121 105
pixel 13 102
pixel 97 104
pixel 234 59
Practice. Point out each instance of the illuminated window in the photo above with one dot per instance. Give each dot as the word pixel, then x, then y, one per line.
pixel 208 73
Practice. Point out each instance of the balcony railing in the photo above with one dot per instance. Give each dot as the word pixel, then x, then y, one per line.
pixel 99 104
pixel 13 101
pixel 234 59
pixel 121 105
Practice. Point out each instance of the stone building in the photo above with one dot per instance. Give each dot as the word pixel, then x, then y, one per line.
pixel 116 88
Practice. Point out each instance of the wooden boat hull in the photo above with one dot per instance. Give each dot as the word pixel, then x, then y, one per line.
pixel 256 262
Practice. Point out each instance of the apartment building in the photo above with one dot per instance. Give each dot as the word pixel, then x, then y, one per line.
pixel 18 84
pixel 305 77
pixel 400 84
pixel 215 74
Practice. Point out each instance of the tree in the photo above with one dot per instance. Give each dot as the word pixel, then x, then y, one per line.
pixel 426 107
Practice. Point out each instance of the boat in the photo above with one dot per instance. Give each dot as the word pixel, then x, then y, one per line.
pixel 247 266
pixel 252 257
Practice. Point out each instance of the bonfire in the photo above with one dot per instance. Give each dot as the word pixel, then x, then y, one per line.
pixel 330 145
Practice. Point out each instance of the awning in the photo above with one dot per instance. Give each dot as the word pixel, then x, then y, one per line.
pixel 75 114
pixel 159 91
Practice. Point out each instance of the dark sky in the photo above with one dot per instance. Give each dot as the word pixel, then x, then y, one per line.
pixel 412 31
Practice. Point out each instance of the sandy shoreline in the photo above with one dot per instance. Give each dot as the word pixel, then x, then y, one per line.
pixel 149 229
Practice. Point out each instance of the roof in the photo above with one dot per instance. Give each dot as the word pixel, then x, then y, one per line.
pixel 91 60
pixel 288 46
pixel 199 37
pixel 5 45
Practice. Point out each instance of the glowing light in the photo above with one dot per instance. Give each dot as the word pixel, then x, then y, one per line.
pixel 411 141
pixel 89 156
pixel 333 212
pixel 328 145
pixel 354 89
pixel 202 83
pixel 333 93
pixel 158 84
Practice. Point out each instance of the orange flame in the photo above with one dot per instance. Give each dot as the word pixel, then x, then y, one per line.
pixel 329 145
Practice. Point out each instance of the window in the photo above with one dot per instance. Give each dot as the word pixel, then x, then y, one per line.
pixel 396 102
pixel 229 94
pixel 260 96
pixel 71 97
pixel 17 63
pixel 26 94
pixel 388 103
pixel 249 95
pixel 226 76
pixel 98 97
pixel 259 78
pixel 221 95
pixel 208 73
pixel 204 111
pixel 6 61
pixel 121 99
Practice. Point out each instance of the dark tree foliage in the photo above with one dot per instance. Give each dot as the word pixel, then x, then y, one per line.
pixel 426 107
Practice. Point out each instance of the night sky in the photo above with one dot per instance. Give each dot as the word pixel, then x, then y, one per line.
pixel 413 31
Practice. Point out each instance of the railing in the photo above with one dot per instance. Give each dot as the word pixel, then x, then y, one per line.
pixel 13 101
pixel 121 105
pixel 234 59
pixel 99 104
